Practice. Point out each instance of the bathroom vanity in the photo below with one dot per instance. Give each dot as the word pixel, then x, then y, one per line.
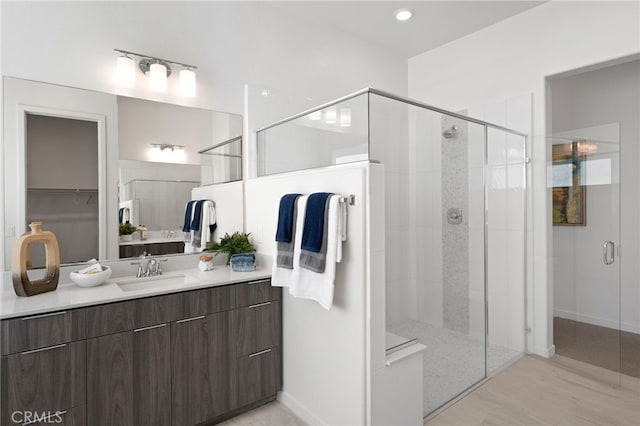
pixel 198 355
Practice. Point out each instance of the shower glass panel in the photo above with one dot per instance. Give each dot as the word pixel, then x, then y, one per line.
pixel 505 186
pixel 435 287
pixel 455 203
pixel 335 134
pixel 585 180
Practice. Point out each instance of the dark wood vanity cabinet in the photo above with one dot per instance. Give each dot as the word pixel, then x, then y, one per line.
pixel 195 357
pixel 129 378
pixel 201 368
pixel 135 250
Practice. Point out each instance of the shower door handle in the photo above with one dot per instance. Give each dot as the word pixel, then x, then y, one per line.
pixel 608 252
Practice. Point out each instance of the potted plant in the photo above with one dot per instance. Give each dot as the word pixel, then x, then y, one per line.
pixel 126 231
pixel 240 251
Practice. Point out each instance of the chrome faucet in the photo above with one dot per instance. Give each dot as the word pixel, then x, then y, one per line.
pixel 148 266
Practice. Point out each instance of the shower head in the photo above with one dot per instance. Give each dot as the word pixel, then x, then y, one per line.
pixel 451 132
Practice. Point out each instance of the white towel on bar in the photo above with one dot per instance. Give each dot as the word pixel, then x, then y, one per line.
pixel 307 284
pixel 208 218
pixel 283 277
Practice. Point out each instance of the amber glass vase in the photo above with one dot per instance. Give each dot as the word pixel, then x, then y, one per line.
pixel 22 285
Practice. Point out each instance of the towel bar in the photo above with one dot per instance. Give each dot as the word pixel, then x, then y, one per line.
pixel 351 199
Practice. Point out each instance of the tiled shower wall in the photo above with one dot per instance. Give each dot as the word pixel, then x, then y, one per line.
pixel 455 236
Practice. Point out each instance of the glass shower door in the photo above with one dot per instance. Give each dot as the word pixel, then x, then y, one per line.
pixel 586 236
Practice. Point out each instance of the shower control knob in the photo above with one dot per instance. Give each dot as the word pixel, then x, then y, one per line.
pixel 454 216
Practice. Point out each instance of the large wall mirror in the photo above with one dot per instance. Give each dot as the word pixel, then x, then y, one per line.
pixel 85 163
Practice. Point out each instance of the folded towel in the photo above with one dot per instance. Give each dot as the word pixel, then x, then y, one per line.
pixel 197 216
pixel 208 222
pixel 313 230
pixel 188 212
pixel 285 235
pixel 286 218
pixel 121 215
pixel 310 258
pixel 320 286
pixel 283 276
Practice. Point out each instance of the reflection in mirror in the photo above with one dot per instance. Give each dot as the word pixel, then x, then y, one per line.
pixel 70 154
pixel 66 202
pixel 161 163
pixel 222 162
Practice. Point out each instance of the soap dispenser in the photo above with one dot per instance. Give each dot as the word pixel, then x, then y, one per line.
pixel 20 261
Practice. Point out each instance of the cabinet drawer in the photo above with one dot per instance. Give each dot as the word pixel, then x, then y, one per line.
pixel 75 416
pixel 44 380
pixel 37 331
pixel 204 302
pixel 257 327
pixel 258 376
pixel 124 316
pixel 258 291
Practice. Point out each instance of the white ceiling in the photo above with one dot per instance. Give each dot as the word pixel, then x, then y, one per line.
pixel 434 23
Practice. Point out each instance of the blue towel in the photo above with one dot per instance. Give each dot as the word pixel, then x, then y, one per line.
pixel 186 227
pixel 120 214
pixel 197 216
pixel 286 219
pixel 313 230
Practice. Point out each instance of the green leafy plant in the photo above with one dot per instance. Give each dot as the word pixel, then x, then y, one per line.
pixel 232 244
pixel 126 229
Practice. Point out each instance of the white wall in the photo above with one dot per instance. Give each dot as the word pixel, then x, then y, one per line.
pixel 232 43
pixel 324 352
pixel 513 57
pixel 582 284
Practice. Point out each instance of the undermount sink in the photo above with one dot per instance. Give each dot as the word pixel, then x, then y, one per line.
pixel 155 283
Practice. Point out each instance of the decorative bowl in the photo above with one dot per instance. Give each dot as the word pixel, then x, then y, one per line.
pixel 91 279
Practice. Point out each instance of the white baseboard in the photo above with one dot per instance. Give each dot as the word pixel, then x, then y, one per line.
pixel 602 322
pixel 545 352
pixel 298 409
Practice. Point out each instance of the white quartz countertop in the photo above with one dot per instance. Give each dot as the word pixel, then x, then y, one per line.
pixel 69 296
pixel 158 240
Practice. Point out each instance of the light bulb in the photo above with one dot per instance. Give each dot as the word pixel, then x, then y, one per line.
pixel 403 14
pixel 126 71
pixel 345 117
pixel 188 82
pixel 330 116
pixel 158 76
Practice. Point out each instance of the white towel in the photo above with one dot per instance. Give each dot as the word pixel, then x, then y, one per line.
pixel 208 218
pixel 307 284
pixel 283 277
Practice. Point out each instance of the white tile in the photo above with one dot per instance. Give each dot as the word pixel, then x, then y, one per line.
pixel 476 142
pixel 515 197
pixel 497 197
pixel 476 313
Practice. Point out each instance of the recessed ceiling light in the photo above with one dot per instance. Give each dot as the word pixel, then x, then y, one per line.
pixel 403 14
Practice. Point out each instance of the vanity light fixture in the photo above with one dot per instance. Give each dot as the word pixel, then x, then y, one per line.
pixel 166 152
pixel 403 14
pixel 158 71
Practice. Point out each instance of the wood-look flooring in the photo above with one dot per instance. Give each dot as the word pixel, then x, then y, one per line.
pixel 537 391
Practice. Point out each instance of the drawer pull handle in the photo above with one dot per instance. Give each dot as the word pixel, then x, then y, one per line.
pixel 259 304
pixel 190 319
pixel 43 349
pixel 151 327
pixel 257 282
pixel 53 314
pixel 266 351
pixel 46 419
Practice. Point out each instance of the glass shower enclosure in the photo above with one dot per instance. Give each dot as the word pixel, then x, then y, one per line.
pixel 455 225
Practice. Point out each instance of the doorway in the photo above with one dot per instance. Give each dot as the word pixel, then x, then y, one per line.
pixel 62 183
pixel 595 185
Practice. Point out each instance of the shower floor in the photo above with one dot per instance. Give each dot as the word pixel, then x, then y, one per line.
pixel 452 362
